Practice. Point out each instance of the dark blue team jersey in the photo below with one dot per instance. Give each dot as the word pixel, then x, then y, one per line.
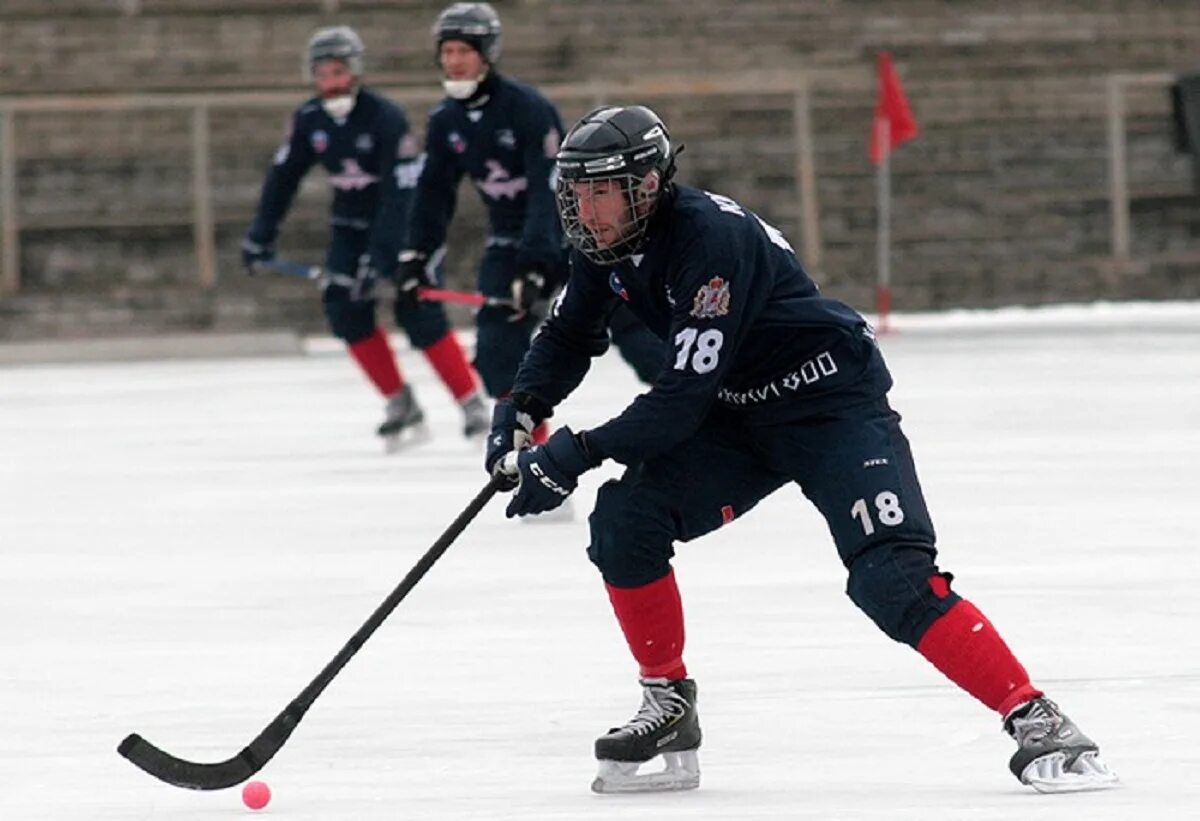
pixel 745 325
pixel 371 161
pixel 505 141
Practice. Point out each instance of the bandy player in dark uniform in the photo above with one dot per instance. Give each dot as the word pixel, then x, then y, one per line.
pixel 501 134
pixel 767 383
pixel 363 142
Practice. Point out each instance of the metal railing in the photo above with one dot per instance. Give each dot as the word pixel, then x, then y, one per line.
pixel 795 86
pixel 1116 87
pixel 132 8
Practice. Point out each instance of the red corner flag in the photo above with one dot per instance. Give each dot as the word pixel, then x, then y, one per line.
pixel 892 107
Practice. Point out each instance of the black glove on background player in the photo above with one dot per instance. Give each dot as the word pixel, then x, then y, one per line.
pixel 412 274
pixel 528 287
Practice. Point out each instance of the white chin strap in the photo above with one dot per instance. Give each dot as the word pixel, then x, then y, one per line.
pixel 461 89
pixel 338 108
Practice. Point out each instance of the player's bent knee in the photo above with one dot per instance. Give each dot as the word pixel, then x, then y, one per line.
pixel 901 589
pixel 497 368
pixel 350 321
pixel 424 324
pixel 628 546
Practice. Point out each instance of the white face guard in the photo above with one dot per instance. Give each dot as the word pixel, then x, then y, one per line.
pixel 339 107
pixel 461 89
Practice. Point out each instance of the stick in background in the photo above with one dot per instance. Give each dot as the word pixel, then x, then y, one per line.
pixel 299 269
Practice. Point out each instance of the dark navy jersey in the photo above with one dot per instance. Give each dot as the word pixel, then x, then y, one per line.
pixel 371 160
pixel 745 326
pixel 505 141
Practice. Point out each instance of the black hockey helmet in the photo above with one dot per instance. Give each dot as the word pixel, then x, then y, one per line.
pixel 336 43
pixel 627 145
pixel 476 24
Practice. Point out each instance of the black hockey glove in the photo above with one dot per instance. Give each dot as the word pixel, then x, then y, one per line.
pixel 549 473
pixel 254 252
pixel 411 275
pixel 511 431
pixel 528 287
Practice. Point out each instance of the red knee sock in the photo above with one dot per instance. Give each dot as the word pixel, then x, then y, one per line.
pixel 374 355
pixel 651 617
pixel 965 646
pixel 450 361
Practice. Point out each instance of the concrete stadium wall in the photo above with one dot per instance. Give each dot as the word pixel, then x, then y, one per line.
pixel 1001 200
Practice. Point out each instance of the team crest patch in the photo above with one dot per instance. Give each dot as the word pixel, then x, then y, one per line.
pixel 457 144
pixel 320 141
pixel 712 300
pixel 618 287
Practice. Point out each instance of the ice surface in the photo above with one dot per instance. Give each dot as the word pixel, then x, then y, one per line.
pixel 184 544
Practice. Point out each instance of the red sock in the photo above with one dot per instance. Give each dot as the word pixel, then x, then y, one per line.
pixel 651 616
pixel 965 646
pixel 450 361
pixel 375 357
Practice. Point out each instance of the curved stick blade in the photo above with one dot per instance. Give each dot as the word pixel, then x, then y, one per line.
pixel 196 776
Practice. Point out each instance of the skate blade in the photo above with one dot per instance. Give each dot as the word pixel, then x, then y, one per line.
pixel 406 438
pixel 1087 772
pixel 682 773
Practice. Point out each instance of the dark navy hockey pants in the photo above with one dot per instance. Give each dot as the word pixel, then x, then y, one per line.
pixel 349 306
pixel 854 464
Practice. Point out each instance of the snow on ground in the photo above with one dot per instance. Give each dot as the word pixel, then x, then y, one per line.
pixel 184 544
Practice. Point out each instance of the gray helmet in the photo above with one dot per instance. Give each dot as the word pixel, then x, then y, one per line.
pixel 623 144
pixel 336 43
pixel 476 24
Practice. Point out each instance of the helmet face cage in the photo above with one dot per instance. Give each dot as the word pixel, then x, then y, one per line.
pixel 613 150
pixel 337 43
pixel 639 198
pixel 474 23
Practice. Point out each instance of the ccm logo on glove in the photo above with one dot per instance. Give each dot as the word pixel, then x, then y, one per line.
pixel 546 481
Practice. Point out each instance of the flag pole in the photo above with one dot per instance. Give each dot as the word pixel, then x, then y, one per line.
pixel 883 177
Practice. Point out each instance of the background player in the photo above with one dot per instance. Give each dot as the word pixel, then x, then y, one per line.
pixel 503 134
pixel 363 142
pixel 771 383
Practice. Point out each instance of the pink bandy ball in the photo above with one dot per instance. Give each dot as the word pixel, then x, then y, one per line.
pixel 256 795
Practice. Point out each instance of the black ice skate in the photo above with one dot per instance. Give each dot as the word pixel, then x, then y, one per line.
pixel 666 725
pixel 404 424
pixel 476 421
pixel 1053 755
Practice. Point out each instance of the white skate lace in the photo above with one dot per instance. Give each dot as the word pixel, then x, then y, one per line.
pixel 1041 720
pixel 659 705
